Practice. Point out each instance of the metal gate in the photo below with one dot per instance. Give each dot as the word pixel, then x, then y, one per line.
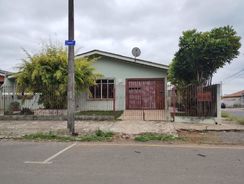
pixel 145 94
pixel 195 100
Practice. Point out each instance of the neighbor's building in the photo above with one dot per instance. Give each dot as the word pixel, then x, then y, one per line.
pixel 234 99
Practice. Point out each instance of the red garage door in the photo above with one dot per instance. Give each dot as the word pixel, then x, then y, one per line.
pixel 145 94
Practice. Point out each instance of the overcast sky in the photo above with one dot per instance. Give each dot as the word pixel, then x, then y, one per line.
pixel 117 26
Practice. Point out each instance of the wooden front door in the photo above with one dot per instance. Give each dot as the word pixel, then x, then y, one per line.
pixel 145 94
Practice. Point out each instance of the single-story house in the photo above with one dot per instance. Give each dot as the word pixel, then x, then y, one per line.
pixel 126 84
pixel 234 100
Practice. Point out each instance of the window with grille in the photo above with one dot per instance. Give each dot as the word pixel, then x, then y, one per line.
pixel 104 89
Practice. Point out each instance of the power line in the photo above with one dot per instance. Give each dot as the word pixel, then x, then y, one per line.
pixel 241 75
pixel 233 75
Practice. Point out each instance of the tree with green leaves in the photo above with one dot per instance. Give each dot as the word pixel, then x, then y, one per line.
pixel 201 54
pixel 46 73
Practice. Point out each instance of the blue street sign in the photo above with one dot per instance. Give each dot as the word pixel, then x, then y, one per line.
pixel 69 42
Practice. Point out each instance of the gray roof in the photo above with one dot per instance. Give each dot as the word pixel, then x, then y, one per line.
pixel 4 73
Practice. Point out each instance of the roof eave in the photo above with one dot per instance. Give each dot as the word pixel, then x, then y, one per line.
pixel 125 58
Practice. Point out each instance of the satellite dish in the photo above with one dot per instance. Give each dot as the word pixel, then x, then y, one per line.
pixel 136 52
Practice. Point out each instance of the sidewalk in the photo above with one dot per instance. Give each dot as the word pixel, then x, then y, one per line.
pixel 224 126
pixel 20 128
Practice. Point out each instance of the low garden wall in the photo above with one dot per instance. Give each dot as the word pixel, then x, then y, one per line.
pixel 55 117
pixel 50 112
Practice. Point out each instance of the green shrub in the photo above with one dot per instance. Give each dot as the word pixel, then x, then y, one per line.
pixel 100 133
pixel 26 111
pixel 13 106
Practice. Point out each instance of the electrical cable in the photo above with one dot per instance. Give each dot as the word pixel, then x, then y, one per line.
pixel 233 75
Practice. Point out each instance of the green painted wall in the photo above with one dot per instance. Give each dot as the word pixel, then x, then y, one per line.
pixel 9 82
pixel 122 70
pixel 119 71
pixel 109 68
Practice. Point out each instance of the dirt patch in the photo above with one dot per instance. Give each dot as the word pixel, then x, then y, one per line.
pixel 213 137
pixel 197 137
pixel 20 128
pixel 126 130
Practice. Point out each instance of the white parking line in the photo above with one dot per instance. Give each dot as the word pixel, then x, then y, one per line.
pixel 47 161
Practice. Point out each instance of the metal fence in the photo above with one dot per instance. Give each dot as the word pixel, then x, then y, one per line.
pixel 194 100
pixel 13 102
pixel 53 103
pixel 6 98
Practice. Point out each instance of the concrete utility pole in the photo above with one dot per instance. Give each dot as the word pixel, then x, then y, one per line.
pixel 71 70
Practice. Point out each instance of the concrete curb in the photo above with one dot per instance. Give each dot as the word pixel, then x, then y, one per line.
pixel 210 130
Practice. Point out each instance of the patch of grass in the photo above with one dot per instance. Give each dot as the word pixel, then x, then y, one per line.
pixel 99 135
pixel 230 117
pixel 116 114
pixel 48 136
pixel 158 137
pixel 240 120
pixel 224 114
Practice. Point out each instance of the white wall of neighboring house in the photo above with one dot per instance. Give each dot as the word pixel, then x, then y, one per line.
pixel 233 101
pixel 229 102
pixel 242 100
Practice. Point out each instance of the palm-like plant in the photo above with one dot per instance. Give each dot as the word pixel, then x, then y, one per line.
pixel 46 73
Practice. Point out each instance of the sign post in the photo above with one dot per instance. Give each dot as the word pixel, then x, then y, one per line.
pixel 71 71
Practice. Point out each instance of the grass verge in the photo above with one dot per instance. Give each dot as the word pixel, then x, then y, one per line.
pixel 116 114
pixel 224 114
pixel 156 137
pixel 240 120
pixel 99 135
pixel 230 117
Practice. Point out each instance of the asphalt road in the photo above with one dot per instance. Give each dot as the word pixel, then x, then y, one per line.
pixel 120 164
